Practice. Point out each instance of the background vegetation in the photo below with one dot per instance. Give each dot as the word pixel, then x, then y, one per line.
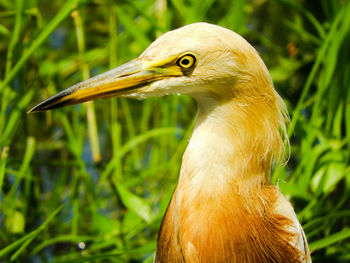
pixel 91 183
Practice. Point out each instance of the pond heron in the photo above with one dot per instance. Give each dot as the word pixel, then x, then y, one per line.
pixel 224 208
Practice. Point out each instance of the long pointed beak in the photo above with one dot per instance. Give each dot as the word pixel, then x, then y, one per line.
pixel 131 77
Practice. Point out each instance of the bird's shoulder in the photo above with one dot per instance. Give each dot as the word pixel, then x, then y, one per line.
pixel 283 207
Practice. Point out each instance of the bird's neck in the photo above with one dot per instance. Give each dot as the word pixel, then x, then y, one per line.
pixel 231 147
pixel 223 208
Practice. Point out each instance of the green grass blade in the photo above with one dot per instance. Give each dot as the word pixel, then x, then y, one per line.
pixel 134 203
pixel 330 240
pixel 65 10
pixel 22 242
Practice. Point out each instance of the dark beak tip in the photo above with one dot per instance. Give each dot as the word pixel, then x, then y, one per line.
pixel 32 110
pixel 52 102
pixel 36 108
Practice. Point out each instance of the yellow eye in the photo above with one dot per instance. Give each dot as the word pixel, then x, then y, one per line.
pixel 186 61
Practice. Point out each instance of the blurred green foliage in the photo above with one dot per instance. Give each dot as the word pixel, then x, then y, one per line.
pixel 63 201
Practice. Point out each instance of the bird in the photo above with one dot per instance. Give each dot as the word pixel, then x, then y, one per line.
pixel 224 207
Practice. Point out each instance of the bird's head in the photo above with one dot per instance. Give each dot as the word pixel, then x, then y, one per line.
pixel 200 60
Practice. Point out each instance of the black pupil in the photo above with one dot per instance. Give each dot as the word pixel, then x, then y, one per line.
pixel 185 62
